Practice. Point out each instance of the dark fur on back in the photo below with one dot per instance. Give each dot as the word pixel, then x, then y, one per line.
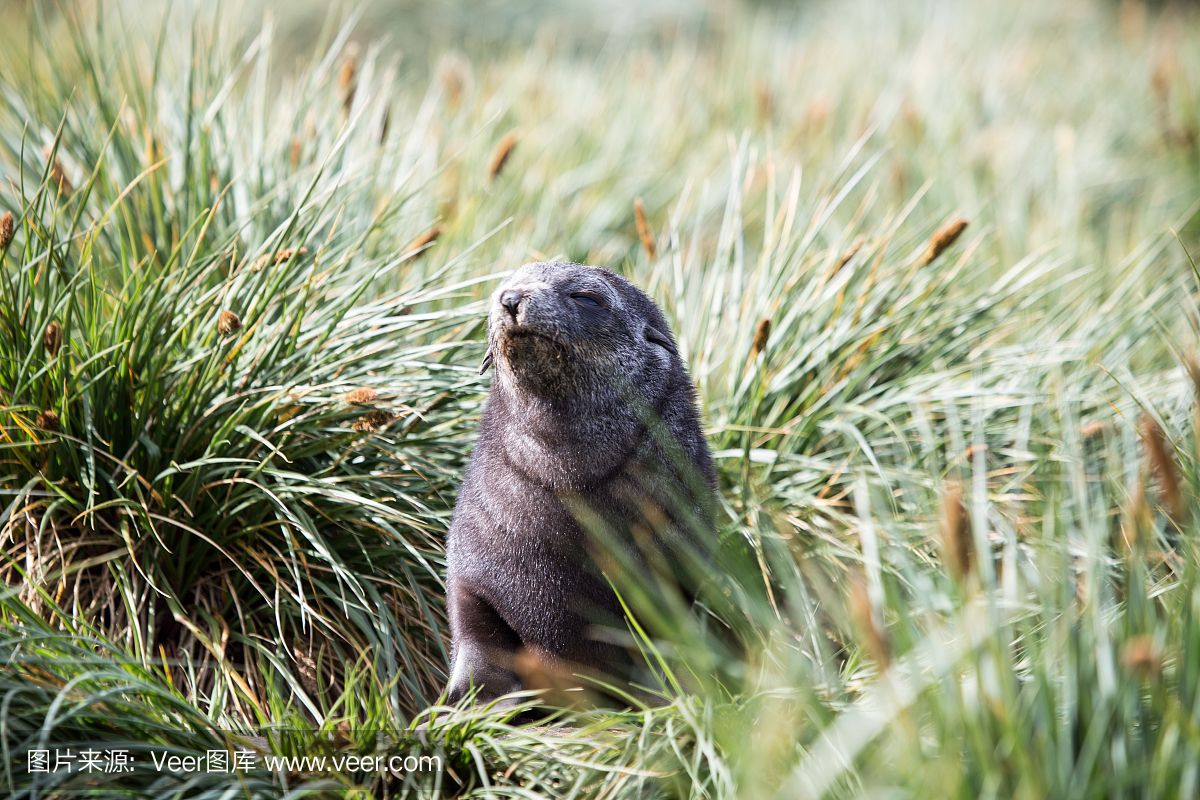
pixel 591 416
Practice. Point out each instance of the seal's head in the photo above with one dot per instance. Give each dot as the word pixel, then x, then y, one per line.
pixel 563 330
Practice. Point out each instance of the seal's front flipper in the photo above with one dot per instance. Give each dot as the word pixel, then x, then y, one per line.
pixel 484 649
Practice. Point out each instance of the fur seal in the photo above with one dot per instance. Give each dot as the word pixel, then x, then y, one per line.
pixel 591 423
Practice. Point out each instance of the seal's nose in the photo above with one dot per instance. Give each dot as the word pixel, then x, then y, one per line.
pixel 511 300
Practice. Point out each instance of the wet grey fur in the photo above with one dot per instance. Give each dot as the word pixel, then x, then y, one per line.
pixel 591 415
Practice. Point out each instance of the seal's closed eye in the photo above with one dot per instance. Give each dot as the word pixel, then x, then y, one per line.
pixel 587 299
pixel 655 336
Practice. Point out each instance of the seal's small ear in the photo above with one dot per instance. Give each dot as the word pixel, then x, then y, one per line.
pixel 487 362
pixel 655 336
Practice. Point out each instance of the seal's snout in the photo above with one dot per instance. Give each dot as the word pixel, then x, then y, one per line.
pixel 510 301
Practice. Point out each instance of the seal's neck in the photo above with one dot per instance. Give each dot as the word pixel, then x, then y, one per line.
pixel 566 442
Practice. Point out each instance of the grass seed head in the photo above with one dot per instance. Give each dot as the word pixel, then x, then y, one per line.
pixel 48 420
pixel 153 151
pixel 306 669
pixel 7 226
pixel 58 175
pixel 1162 462
pixel 362 396
pixel 228 323
pixel 643 228
pixel 958 544
pixel 1141 656
pixel 761 334
pixel 764 102
pixel 911 114
pixel 452 74
pixel 288 253
pixel 1131 20
pixel 943 239
pixel 372 421
pixel 348 81
pixel 862 614
pixel 52 338
pixel 547 675
pixel 850 253
pixel 423 240
pixel 817 115
pixel 279 256
pixel 1160 81
pixel 501 154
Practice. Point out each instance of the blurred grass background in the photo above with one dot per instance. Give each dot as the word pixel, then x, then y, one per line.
pixel 241 315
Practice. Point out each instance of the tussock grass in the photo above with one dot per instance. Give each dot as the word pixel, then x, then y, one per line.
pixel 240 324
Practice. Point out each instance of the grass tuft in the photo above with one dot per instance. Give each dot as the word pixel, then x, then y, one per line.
pixel 240 331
